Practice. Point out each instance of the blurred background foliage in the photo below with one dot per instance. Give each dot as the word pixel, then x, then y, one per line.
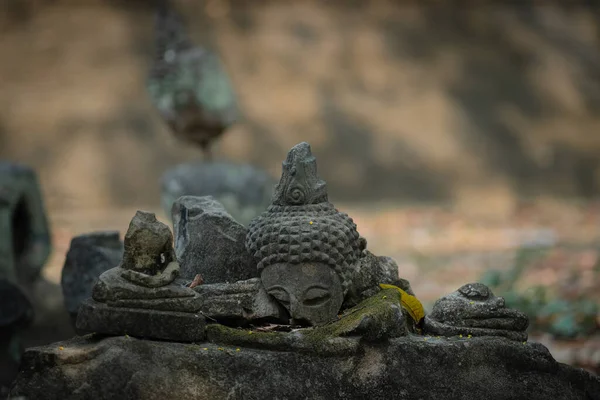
pixel 462 136
pixel 564 315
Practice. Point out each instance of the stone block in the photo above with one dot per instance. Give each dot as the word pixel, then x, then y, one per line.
pixel 144 323
pixel 209 242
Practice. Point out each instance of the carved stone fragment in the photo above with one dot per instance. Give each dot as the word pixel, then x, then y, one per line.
pixel 474 310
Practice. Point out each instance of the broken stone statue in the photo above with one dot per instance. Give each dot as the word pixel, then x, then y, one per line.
pixel 323 318
pixel 142 296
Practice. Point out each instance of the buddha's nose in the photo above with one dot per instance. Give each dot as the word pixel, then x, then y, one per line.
pixel 295 310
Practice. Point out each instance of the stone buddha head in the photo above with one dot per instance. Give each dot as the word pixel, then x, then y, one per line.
pixel 306 250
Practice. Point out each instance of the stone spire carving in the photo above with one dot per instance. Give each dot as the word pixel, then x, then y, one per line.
pixel 299 183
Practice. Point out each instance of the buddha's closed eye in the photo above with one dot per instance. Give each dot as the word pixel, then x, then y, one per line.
pixel 315 296
pixel 280 294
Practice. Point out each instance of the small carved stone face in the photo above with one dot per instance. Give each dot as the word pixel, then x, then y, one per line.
pixel 311 292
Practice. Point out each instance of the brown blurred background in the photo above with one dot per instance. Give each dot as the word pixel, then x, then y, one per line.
pixel 448 130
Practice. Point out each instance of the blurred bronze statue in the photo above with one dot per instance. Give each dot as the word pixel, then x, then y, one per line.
pixel 188 84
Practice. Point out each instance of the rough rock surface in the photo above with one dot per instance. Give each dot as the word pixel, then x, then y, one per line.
pixel 244 190
pixel 148 244
pixel 144 323
pixel 403 368
pixel 209 242
pixel 88 257
pixel 240 302
pixel 372 271
pixel 114 290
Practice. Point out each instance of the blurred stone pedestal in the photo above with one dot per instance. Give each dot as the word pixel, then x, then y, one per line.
pixel 245 191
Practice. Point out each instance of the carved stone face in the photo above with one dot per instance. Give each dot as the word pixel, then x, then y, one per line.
pixel 311 292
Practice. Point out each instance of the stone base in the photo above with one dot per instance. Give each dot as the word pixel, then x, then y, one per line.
pixel 167 325
pixel 413 367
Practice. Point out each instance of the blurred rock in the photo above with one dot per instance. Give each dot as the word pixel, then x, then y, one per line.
pixel 24 233
pixel 16 313
pixel 89 256
pixel 209 242
pixel 245 191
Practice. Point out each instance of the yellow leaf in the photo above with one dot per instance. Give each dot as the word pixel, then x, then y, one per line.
pixel 410 303
pixel 61 348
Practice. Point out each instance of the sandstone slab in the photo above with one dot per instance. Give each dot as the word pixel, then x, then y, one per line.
pixel 144 323
pixel 404 368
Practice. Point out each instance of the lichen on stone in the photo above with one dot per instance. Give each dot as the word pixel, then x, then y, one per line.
pixel 377 318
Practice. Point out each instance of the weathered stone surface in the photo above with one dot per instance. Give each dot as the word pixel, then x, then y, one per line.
pixel 88 257
pixel 145 323
pixel 405 368
pixel 114 290
pixel 370 272
pixel 24 233
pixel 474 310
pixel 243 190
pixel 240 303
pixel 209 242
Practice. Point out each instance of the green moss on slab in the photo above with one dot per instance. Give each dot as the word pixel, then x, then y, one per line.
pixel 377 318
